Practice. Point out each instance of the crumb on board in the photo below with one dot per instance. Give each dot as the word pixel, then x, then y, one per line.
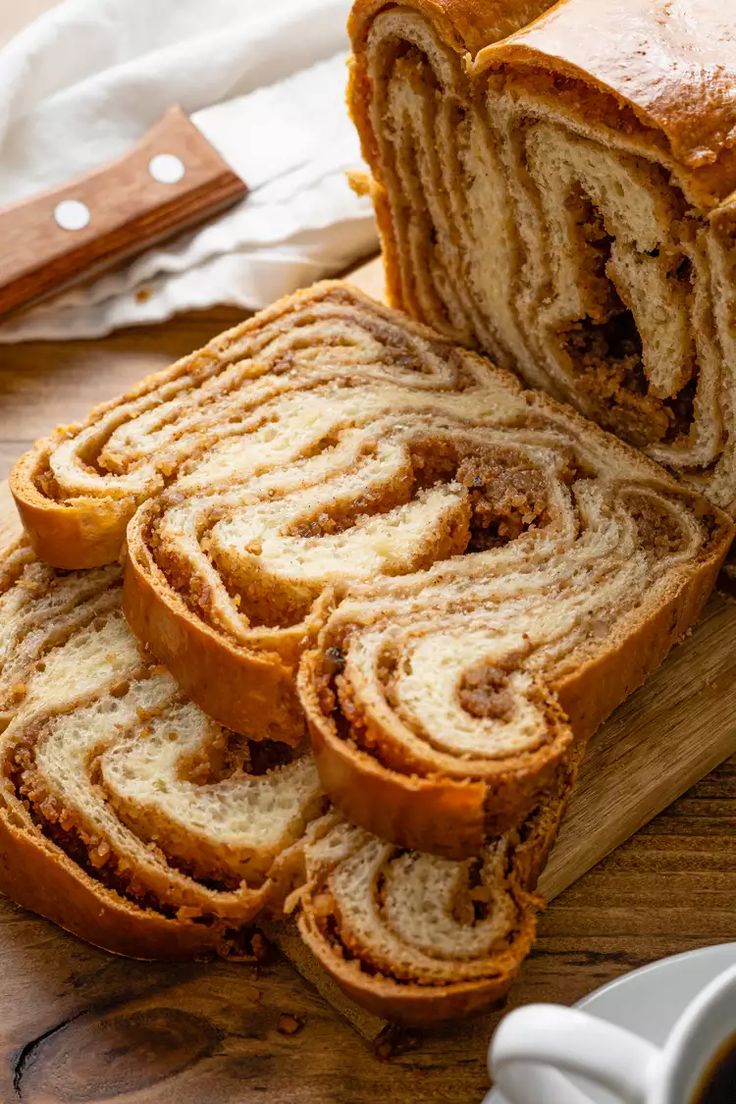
pixel 289 1024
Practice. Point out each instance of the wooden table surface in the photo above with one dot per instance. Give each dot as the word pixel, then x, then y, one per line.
pixel 78 1025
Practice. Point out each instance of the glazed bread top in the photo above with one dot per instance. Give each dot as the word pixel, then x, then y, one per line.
pixel 669 67
pixel 661 71
pixel 467 25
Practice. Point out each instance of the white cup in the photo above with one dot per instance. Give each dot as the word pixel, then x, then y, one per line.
pixel 534 1046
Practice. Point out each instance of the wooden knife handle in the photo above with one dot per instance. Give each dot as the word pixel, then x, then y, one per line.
pixel 117 211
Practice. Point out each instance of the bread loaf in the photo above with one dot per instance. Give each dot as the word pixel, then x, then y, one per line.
pixel 132 821
pixel 479 575
pixel 562 199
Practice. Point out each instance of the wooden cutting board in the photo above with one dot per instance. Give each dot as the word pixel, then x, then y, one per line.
pixel 663 739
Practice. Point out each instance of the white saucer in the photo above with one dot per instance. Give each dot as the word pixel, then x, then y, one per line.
pixel 650 1000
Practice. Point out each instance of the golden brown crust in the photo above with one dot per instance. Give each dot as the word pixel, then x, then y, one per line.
pixel 67 534
pixel 672 65
pixel 40 877
pixel 466 25
pixel 230 683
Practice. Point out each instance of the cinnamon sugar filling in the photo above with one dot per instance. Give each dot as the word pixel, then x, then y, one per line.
pixel 471 905
pixel 88 851
pixel 658 528
pixel 606 358
pixel 484 692
pixel 499 495
pixel 605 351
pixel 225 757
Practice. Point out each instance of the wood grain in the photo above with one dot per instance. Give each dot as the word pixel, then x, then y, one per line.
pixel 80 1026
pixel 130 211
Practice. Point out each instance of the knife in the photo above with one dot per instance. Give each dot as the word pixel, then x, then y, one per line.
pixel 173 178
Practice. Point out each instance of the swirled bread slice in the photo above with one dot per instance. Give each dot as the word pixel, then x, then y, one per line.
pixel 415 938
pixel 485 575
pixel 126 815
pixel 563 199
pixel 131 820
pixel 439 704
pixel 271 381
pixel 40 610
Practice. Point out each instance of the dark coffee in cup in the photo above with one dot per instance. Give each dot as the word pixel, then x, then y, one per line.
pixel 718 1085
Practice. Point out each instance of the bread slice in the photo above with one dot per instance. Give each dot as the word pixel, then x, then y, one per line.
pixel 483 576
pixel 562 198
pixel 41 610
pixel 417 939
pixel 131 820
pixel 264 380
pixel 126 815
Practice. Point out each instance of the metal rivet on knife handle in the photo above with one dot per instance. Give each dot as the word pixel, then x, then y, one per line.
pixel 166 168
pixel 71 214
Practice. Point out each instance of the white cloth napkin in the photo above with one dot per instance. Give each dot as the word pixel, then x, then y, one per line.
pixel 84 82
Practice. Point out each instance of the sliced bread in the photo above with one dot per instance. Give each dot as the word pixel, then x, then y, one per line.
pixel 132 821
pixel 126 815
pixel 417 939
pixel 478 574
